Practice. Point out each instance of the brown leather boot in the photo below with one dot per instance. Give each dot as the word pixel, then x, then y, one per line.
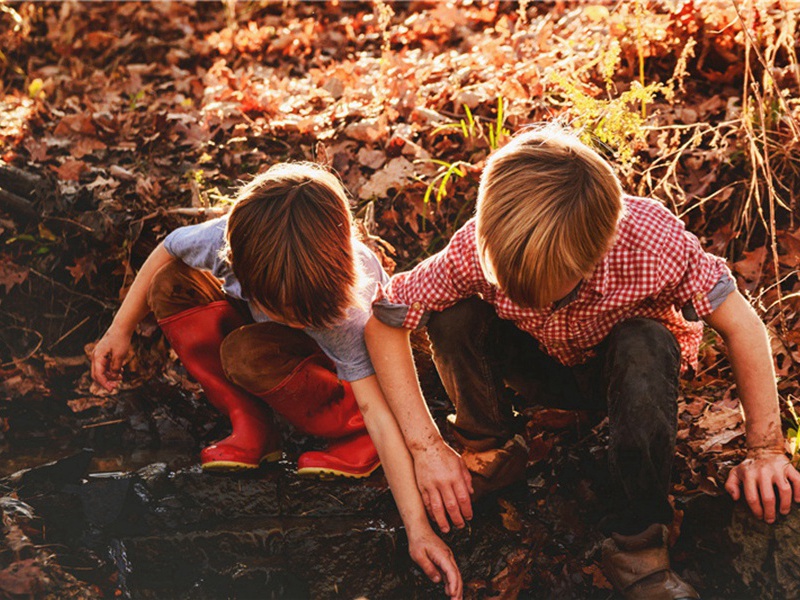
pixel 495 468
pixel 638 566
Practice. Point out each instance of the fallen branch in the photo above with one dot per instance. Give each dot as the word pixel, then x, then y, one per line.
pixel 21 182
pixel 16 205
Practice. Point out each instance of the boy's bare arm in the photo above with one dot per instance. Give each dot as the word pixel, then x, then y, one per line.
pixel 442 476
pixel 766 466
pixel 425 547
pixel 110 352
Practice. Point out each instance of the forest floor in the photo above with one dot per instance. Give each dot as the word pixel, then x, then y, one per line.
pixel 127 120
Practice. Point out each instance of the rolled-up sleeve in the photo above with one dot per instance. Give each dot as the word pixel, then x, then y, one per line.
pixel 695 281
pixel 434 285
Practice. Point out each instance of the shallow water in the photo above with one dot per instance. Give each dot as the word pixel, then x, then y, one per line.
pixel 105 461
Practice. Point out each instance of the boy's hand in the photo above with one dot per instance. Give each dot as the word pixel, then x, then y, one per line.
pixel 437 561
pixel 108 357
pixel 760 475
pixel 444 483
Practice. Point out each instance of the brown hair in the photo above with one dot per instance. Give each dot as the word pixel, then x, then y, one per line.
pixel 290 244
pixel 547 209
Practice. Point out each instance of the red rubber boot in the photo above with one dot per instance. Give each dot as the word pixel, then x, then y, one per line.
pixel 196 335
pixel 315 401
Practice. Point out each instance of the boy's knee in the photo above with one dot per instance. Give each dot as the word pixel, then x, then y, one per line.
pixel 459 323
pixel 258 357
pixel 639 339
pixel 160 294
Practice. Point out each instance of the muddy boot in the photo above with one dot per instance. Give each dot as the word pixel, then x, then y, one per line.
pixel 494 468
pixel 638 566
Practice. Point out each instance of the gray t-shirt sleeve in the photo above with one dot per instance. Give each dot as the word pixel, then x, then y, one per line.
pixel 344 343
pixel 200 247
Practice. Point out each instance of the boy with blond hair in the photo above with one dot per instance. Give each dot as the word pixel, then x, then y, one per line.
pixel 576 296
pixel 266 309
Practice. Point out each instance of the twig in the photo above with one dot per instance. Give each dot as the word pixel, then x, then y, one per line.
pixel 31 353
pixel 104 423
pixel 66 335
pixel 71 291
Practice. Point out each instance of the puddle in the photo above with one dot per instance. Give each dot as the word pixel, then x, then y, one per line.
pixel 107 461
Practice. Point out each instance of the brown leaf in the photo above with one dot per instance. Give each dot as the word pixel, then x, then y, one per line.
pixel 83 267
pixel 714 421
pixel 510 515
pixel 790 243
pixel 77 123
pixel 11 274
pixel 71 169
pixel 36 148
pixel 24 577
pixel 367 130
pixel 86 145
pixel 81 404
pixel 374 159
pixel 750 267
pixel 396 174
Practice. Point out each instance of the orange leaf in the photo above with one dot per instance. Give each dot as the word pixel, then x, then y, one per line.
pixel 71 169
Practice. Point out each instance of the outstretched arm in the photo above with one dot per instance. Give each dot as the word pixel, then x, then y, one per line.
pixel 443 479
pixel 425 547
pixel 110 352
pixel 766 467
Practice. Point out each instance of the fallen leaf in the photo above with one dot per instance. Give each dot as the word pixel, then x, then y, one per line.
pixel 24 577
pixel 81 404
pixel 86 145
pixel 720 439
pixel 750 267
pixel 510 515
pixel 367 130
pixel 84 267
pixel 721 419
pixel 599 580
pixel 11 274
pixel 70 170
pixel 396 174
pixel 374 159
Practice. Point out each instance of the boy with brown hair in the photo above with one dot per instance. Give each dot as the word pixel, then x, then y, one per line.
pixel 580 297
pixel 266 309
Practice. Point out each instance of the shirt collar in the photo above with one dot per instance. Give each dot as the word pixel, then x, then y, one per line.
pixel 598 282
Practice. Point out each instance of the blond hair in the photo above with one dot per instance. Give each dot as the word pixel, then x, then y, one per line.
pixel 290 244
pixel 547 209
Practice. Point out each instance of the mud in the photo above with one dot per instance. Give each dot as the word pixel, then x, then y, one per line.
pixel 136 518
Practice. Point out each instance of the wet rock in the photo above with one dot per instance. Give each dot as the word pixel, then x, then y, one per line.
pixel 314 498
pixel 53 474
pixel 190 497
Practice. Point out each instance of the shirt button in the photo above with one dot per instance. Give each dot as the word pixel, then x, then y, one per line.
pixel 416 306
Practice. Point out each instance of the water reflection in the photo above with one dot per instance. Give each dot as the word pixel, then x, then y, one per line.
pixel 16 459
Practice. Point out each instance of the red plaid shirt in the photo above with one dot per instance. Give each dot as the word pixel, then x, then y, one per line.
pixel 654 269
